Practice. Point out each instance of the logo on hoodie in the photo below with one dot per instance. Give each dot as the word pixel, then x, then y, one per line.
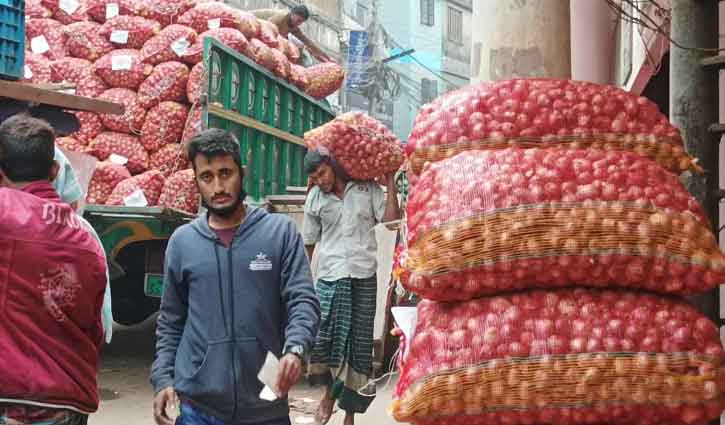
pixel 260 263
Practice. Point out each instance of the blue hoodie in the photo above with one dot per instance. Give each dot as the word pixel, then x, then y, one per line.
pixel 223 309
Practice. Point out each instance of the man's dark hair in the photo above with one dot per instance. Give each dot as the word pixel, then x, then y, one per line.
pixel 27 148
pixel 215 142
pixel 301 10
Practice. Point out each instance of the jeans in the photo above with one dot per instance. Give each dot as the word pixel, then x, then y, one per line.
pixel 192 416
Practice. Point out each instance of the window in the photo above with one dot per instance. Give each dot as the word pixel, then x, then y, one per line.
pixel 361 13
pixel 427 12
pixel 428 90
pixel 455 25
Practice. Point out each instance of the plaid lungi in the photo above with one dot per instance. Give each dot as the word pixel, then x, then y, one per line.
pixel 18 414
pixel 344 348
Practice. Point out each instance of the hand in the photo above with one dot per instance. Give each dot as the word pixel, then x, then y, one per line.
pixel 164 400
pixel 396 331
pixel 290 370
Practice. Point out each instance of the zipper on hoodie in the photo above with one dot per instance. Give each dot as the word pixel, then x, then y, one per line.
pixel 234 336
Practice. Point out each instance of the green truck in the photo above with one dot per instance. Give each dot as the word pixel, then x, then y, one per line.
pixel 269 117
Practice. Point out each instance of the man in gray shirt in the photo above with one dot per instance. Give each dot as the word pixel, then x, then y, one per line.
pixel 339 219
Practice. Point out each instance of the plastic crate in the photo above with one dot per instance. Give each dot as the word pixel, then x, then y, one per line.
pixel 12 39
pixel 247 95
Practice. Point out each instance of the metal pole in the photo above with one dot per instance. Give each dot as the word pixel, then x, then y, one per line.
pixel 373 29
pixel 693 107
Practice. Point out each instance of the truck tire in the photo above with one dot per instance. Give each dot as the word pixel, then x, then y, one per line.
pixel 131 306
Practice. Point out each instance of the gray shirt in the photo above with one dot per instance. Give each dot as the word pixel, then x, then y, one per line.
pixel 343 230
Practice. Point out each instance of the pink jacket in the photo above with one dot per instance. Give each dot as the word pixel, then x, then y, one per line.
pixel 52 282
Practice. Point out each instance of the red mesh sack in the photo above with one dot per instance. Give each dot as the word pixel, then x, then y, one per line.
pixel 105 178
pixel 91 85
pixel 67 12
pixel 133 116
pixel 544 113
pixel 141 190
pixel 170 44
pixel 122 69
pixel 70 144
pixel 209 16
pixel 103 10
pixel 325 79
pixel 483 222
pixel 37 69
pixel 166 82
pixel 561 357
pixel 165 12
pixel 363 146
pixel 170 159
pixel 262 54
pixel 231 37
pixel 268 33
pixel 34 9
pixel 164 124
pixel 293 52
pixel 129 31
pixel 298 76
pixel 125 148
pixel 194 124
pixel 180 192
pixel 248 25
pixel 45 37
pixel 281 64
pixel 70 69
pixel 91 126
pixel 85 41
pixel 196 82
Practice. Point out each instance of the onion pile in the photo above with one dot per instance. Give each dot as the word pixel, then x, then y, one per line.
pixel 180 192
pixel 569 349
pixel 363 146
pixel 141 190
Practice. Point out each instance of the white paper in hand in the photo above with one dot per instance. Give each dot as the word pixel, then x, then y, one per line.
pixel 214 23
pixel 121 62
pixel 69 6
pixel 179 46
pixel 136 199
pixel 268 376
pixel 407 319
pixel 39 45
pixel 111 10
pixel 119 37
pixel 28 72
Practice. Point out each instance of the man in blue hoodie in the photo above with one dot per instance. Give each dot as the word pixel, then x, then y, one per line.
pixel 237 286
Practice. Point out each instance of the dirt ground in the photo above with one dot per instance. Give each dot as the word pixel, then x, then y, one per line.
pixel 126 395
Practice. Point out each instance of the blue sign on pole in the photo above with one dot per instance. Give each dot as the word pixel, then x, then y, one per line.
pixel 358 57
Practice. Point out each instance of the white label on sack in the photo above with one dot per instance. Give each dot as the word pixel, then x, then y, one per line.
pixel 136 199
pixel 69 6
pixel 179 46
pixel 214 23
pixel 407 319
pixel 39 45
pixel 118 159
pixel 119 37
pixel 28 72
pixel 111 10
pixel 121 62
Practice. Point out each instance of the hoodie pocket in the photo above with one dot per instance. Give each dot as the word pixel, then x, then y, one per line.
pixel 252 356
pixel 212 385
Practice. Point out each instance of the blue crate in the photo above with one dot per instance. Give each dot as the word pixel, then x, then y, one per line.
pixel 12 39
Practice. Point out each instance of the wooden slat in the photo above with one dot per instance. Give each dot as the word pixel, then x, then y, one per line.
pixel 718 60
pixel 34 94
pixel 296 189
pixel 717 128
pixel 217 110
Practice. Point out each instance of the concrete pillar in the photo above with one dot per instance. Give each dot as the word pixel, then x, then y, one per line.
pixel 520 38
pixel 693 109
pixel 593 41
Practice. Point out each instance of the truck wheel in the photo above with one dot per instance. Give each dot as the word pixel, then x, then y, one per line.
pixel 131 306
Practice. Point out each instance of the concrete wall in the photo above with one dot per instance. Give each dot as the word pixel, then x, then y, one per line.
pixel 457 56
pixel 520 38
pixel 593 41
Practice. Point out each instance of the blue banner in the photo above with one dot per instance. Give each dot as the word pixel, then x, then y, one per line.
pixel 358 58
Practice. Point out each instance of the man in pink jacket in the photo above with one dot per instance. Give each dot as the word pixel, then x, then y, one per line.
pixel 52 282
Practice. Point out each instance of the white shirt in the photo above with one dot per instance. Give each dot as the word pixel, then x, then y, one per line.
pixel 343 230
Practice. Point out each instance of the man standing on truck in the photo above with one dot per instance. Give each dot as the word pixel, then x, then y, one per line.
pixel 289 23
pixel 237 285
pixel 53 277
pixel 340 216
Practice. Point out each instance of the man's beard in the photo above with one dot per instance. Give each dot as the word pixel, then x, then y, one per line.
pixel 226 211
